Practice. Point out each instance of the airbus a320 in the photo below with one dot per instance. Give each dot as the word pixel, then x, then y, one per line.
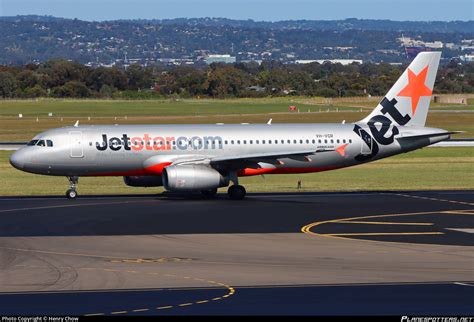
pixel 206 157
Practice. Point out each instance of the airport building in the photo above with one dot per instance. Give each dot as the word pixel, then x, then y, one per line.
pixel 332 61
pixel 227 59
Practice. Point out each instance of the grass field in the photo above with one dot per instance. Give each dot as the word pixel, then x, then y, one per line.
pixel 183 107
pixel 430 168
pixel 66 112
pixel 189 107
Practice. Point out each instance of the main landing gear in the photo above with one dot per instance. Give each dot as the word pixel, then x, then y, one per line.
pixel 71 193
pixel 236 191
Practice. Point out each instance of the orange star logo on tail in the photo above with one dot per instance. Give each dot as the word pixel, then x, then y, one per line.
pixel 416 88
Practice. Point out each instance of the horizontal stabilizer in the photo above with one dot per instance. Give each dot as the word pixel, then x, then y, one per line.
pixel 429 135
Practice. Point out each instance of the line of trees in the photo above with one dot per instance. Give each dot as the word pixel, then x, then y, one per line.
pixel 66 79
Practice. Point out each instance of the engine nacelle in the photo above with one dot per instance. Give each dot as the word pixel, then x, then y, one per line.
pixel 192 177
pixel 143 181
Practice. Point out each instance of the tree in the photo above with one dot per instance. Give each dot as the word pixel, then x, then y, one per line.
pixel 8 84
pixel 274 80
pixel 301 82
pixel 190 80
pixel 107 91
pixel 27 79
pixel 72 89
pixel 139 77
pixel 112 77
pixel 226 81
pixel 61 71
pixel 35 91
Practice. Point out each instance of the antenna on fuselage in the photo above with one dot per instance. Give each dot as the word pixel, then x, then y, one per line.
pixel 76 124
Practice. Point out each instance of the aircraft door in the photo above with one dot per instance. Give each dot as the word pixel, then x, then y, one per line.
pixel 366 142
pixel 75 142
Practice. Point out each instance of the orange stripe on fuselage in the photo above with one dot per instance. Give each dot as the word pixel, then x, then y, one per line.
pixel 157 169
pixel 154 170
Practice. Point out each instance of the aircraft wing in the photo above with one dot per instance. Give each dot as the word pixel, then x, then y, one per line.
pixel 234 161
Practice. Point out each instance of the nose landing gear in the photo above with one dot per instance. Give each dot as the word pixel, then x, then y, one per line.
pixel 71 193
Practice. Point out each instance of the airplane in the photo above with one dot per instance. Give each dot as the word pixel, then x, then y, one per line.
pixel 203 158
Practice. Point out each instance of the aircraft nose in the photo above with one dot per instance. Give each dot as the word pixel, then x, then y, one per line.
pixel 17 159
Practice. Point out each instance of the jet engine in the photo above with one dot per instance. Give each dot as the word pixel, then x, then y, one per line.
pixel 143 181
pixel 192 177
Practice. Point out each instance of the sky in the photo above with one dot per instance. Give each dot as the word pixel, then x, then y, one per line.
pixel 267 10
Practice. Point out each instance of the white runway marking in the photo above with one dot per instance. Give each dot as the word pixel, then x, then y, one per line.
pixel 463 230
pixel 463 284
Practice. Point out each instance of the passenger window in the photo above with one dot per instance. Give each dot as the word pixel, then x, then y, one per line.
pixel 269 141
pixel 225 142
pixel 32 142
pixel 307 141
pixel 301 141
pixel 251 141
pixel 245 141
pixel 350 141
pixel 282 141
pixel 332 141
pixel 319 141
pixel 288 141
pixel 294 141
pixel 313 141
pixel 231 141
pixel 344 141
pixel 257 141
pixel 40 143
pixel 49 143
pixel 238 141
pixel 325 141
pixel 263 141
pixel 337 141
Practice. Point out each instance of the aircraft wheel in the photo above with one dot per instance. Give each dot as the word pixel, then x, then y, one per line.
pixel 236 192
pixel 71 194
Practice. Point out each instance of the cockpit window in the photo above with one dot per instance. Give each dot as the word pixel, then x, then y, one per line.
pixel 48 143
pixel 32 142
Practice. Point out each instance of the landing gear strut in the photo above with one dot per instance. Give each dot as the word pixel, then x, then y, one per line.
pixel 71 193
pixel 236 191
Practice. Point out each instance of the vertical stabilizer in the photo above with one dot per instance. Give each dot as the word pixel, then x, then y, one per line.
pixel 407 102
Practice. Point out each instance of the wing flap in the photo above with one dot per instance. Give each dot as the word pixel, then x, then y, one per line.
pixel 265 156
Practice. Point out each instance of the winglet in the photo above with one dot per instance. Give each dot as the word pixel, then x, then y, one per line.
pixel 76 124
pixel 269 122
